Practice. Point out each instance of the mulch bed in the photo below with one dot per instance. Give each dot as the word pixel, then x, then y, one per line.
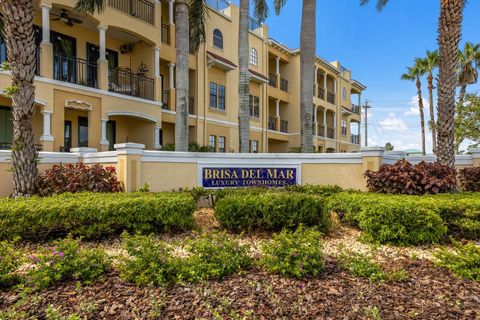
pixel 429 293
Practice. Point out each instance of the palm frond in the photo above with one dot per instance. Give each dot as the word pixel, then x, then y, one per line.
pixel 410 75
pixel 198 14
pixel 260 9
pixel 278 5
pixel 380 4
pixel 90 6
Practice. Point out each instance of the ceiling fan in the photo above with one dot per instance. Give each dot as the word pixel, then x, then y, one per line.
pixel 65 18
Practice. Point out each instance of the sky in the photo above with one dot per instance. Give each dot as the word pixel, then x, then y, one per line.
pixel 377 47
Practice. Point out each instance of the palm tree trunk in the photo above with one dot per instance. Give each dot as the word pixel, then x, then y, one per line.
pixel 432 113
pixel 244 78
pixel 307 67
pixel 449 35
pixel 182 41
pixel 422 114
pixel 18 19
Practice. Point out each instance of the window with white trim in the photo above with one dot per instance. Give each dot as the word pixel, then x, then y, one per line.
pixel 212 143
pixel 217 39
pixel 253 57
pixel 222 144
pixel 254 107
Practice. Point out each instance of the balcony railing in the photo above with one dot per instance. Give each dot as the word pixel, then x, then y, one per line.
pixel 37 61
pixel 355 139
pixel 255 26
pixel 131 84
pixel 74 70
pixel 356 109
pixel 272 79
pixel 331 97
pixel 321 130
pixel 218 5
pixel 284 126
pixel 191 105
pixel 165 98
pixel 8 146
pixel 165 33
pixel 141 9
pixel 284 85
pixel 344 131
pixel 330 133
pixel 321 93
pixel 272 124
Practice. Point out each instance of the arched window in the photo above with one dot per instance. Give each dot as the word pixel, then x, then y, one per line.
pixel 253 57
pixel 218 39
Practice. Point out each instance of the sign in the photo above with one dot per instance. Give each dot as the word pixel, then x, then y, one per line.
pixel 217 177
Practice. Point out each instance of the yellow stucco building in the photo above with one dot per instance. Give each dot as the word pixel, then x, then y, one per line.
pixel 110 78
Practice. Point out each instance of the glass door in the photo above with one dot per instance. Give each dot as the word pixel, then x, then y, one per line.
pixel 67 136
pixel 111 134
pixel 64 57
pixel 83 132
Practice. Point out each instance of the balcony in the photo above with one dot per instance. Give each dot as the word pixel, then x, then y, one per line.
pixel 218 5
pixel 125 82
pixel 165 98
pixel 255 26
pixel 355 138
pixel 284 126
pixel 272 124
pixel 140 9
pixel 321 130
pixel 284 85
pixel 356 109
pixel 191 105
pixel 321 93
pixel 331 97
pixel 344 131
pixel 165 33
pixel 74 70
pixel 272 80
pixel 330 133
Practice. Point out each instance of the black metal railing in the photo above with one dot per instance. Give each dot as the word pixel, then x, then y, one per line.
pixel 331 97
pixel 321 130
pixel 272 123
pixel 355 138
pixel 165 98
pixel 321 93
pixel 344 131
pixel 165 33
pixel 37 61
pixel 8 146
pixel 255 26
pixel 191 105
pixel 272 79
pixel 74 70
pixel 356 109
pixel 284 126
pixel 330 133
pixel 284 85
pixel 218 5
pixel 141 9
pixel 131 84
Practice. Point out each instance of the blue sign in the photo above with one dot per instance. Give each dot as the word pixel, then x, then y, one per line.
pixel 248 177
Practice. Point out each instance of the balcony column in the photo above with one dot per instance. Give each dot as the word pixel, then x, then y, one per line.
pixel 315 89
pixel 156 137
pixel 102 63
pixel 325 92
pixel 47 137
pixel 46 47
pixel 104 143
pixel 335 86
pixel 324 122
pixel 170 12
pixel 171 96
pixel 315 120
pixel 277 115
pixel 277 71
pixel 158 78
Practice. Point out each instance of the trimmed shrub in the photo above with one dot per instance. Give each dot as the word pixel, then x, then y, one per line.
pixel 9 262
pixel 405 178
pixel 67 262
pixel 78 177
pixel 469 179
pixel 348 205
pixel 464 260
pixel 324 190
pixel 271 211
pixel 94 215
pixel 399 220
pixel 294 254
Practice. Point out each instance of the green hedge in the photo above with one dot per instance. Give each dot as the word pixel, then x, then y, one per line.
pixel 94 215
pixel 271 211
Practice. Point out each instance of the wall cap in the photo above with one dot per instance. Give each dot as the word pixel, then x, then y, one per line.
pixel 476 153
pixel 83 150
pixel 129 148
pixel 375 151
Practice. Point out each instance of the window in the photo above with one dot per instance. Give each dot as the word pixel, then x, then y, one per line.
pixel 6 128
pixel 254 107
pixel 221 97
pixel 253 57
pixel 217 39
pixel 212 142
pixel 111 134
pixel 213 95
pixel 344 126
pixel 344 94
pixel 222 144
pixel 82 131
pixel 254 146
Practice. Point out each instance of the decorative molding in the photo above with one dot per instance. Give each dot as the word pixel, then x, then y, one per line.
pixel 133 114
pixel 78 105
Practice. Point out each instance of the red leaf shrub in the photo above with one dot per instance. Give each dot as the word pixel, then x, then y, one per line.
pixel 405 178
pixel 469 179
pixel 78 177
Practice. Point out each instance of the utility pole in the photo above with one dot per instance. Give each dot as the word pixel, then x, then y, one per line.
pixel 366 106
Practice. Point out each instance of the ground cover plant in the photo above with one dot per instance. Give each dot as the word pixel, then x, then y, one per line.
pixel 9 262
pixel 463 260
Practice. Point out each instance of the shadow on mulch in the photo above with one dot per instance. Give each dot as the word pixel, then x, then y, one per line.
pixel 429 293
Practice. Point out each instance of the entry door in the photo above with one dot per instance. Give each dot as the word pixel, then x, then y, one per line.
pixel 67 136
pixel 6 128
pixel 111 134
pixel 82 131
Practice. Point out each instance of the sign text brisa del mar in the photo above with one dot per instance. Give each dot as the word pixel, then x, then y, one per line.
pixel 216 177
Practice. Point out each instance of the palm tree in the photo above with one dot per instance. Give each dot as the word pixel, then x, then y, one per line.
pixel 469 62
pixel 261 11
pixel 429 64
pixel 449 35
pixel 18 19
pixel 190 33
pixel 413 74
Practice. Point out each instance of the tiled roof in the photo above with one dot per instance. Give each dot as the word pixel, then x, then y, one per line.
pixel 257 74
pixel 216 56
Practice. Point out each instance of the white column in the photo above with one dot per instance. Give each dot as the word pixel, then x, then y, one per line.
pixel 45 22
pixel 277 65
pixel 359 100
pixel 277 108
pixel 102 51
pixel 156 132
pixel 324 122
pixel 315 113
pixel 334 119
pixel 104 141
pixel 157 62
pixel 171 74
pixel 170 11
pixel 335 86
pixel 325 82
pixel 47 118
pixel 358 126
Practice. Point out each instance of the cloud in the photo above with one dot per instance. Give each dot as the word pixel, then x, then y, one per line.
pixel 413 110
pixel 393 123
